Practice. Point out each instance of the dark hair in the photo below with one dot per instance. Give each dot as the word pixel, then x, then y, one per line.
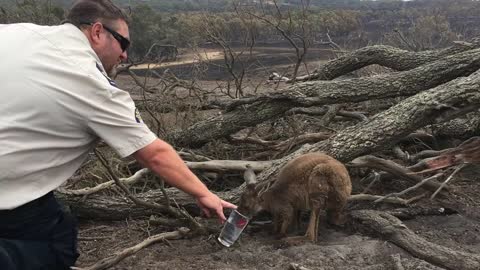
pixel 104 11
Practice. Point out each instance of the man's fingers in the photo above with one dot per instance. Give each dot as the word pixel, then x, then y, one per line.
pixel 226 204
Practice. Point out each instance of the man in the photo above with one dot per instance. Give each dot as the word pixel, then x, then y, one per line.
pixel 57 102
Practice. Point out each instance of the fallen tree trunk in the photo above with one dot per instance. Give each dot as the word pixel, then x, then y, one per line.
pixel 387 56
pixel 460 128
pixel 392 229
pixel 101 207
pixel 385 129
pixel 97 206
pixel 436 105
pixel 274 105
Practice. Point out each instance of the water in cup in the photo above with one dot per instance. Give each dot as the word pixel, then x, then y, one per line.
pixel 232 229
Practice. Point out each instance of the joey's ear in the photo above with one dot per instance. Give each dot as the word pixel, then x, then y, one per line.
pixel 249 176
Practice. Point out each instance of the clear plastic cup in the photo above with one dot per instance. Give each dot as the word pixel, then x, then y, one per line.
pixel 232 228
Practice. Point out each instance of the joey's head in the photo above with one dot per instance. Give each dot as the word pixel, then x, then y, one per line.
pixel 250 201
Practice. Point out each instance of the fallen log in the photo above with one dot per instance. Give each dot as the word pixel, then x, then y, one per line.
pixel 101 207
pixel 386 56
pixel 385 129
pixel 273 105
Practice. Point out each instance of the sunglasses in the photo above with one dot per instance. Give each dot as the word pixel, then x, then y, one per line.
pixel 123 41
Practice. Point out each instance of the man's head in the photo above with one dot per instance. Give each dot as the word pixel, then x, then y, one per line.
pixel 106 27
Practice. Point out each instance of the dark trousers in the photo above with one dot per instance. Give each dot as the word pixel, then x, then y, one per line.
pixel 37 236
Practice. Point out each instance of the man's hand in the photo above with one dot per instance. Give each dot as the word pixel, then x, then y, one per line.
pixel 212 203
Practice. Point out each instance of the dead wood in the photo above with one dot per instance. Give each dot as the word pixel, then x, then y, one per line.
pixel 392 229
pixel 118 257
pixel 416 168
pixel 373 198
pixel 418 185
pixel 412 212
pixel 166 222
pixel 392 168
pixel 271 106
pixel 381 131
pixel 330 114
pixel 442 103
pixel 101 207
pixel 176 212
pixel 400 154
pixel 385 129
pixel 421 157
pixel 444 184
pixel 107 207
pixel 323 110
pixel 466 152
pixel 90 190
pixel 211 165
pixel 387 56
pixel 421 136
pixel 281 146
pixel 230 165
pixel 460 128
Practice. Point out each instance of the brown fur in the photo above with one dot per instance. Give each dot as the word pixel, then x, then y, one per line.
pixel 313 182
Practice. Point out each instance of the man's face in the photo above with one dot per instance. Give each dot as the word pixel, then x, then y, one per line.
pixel 110 52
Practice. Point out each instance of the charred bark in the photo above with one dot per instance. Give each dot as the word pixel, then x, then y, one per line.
pixel 273 105
pixel 460 128
pixel 436 105
pixel 385 129
pixel 387 56
pixel 101 207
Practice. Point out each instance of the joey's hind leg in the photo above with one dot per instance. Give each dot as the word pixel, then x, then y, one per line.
pixel 312 230
pixel 317 203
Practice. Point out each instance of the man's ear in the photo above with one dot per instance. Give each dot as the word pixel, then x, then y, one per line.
pixel 95 33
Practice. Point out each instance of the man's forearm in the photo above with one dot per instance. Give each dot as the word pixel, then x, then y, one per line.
pixel 161 158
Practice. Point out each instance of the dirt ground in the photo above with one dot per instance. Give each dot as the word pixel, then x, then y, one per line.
pixel 337 248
